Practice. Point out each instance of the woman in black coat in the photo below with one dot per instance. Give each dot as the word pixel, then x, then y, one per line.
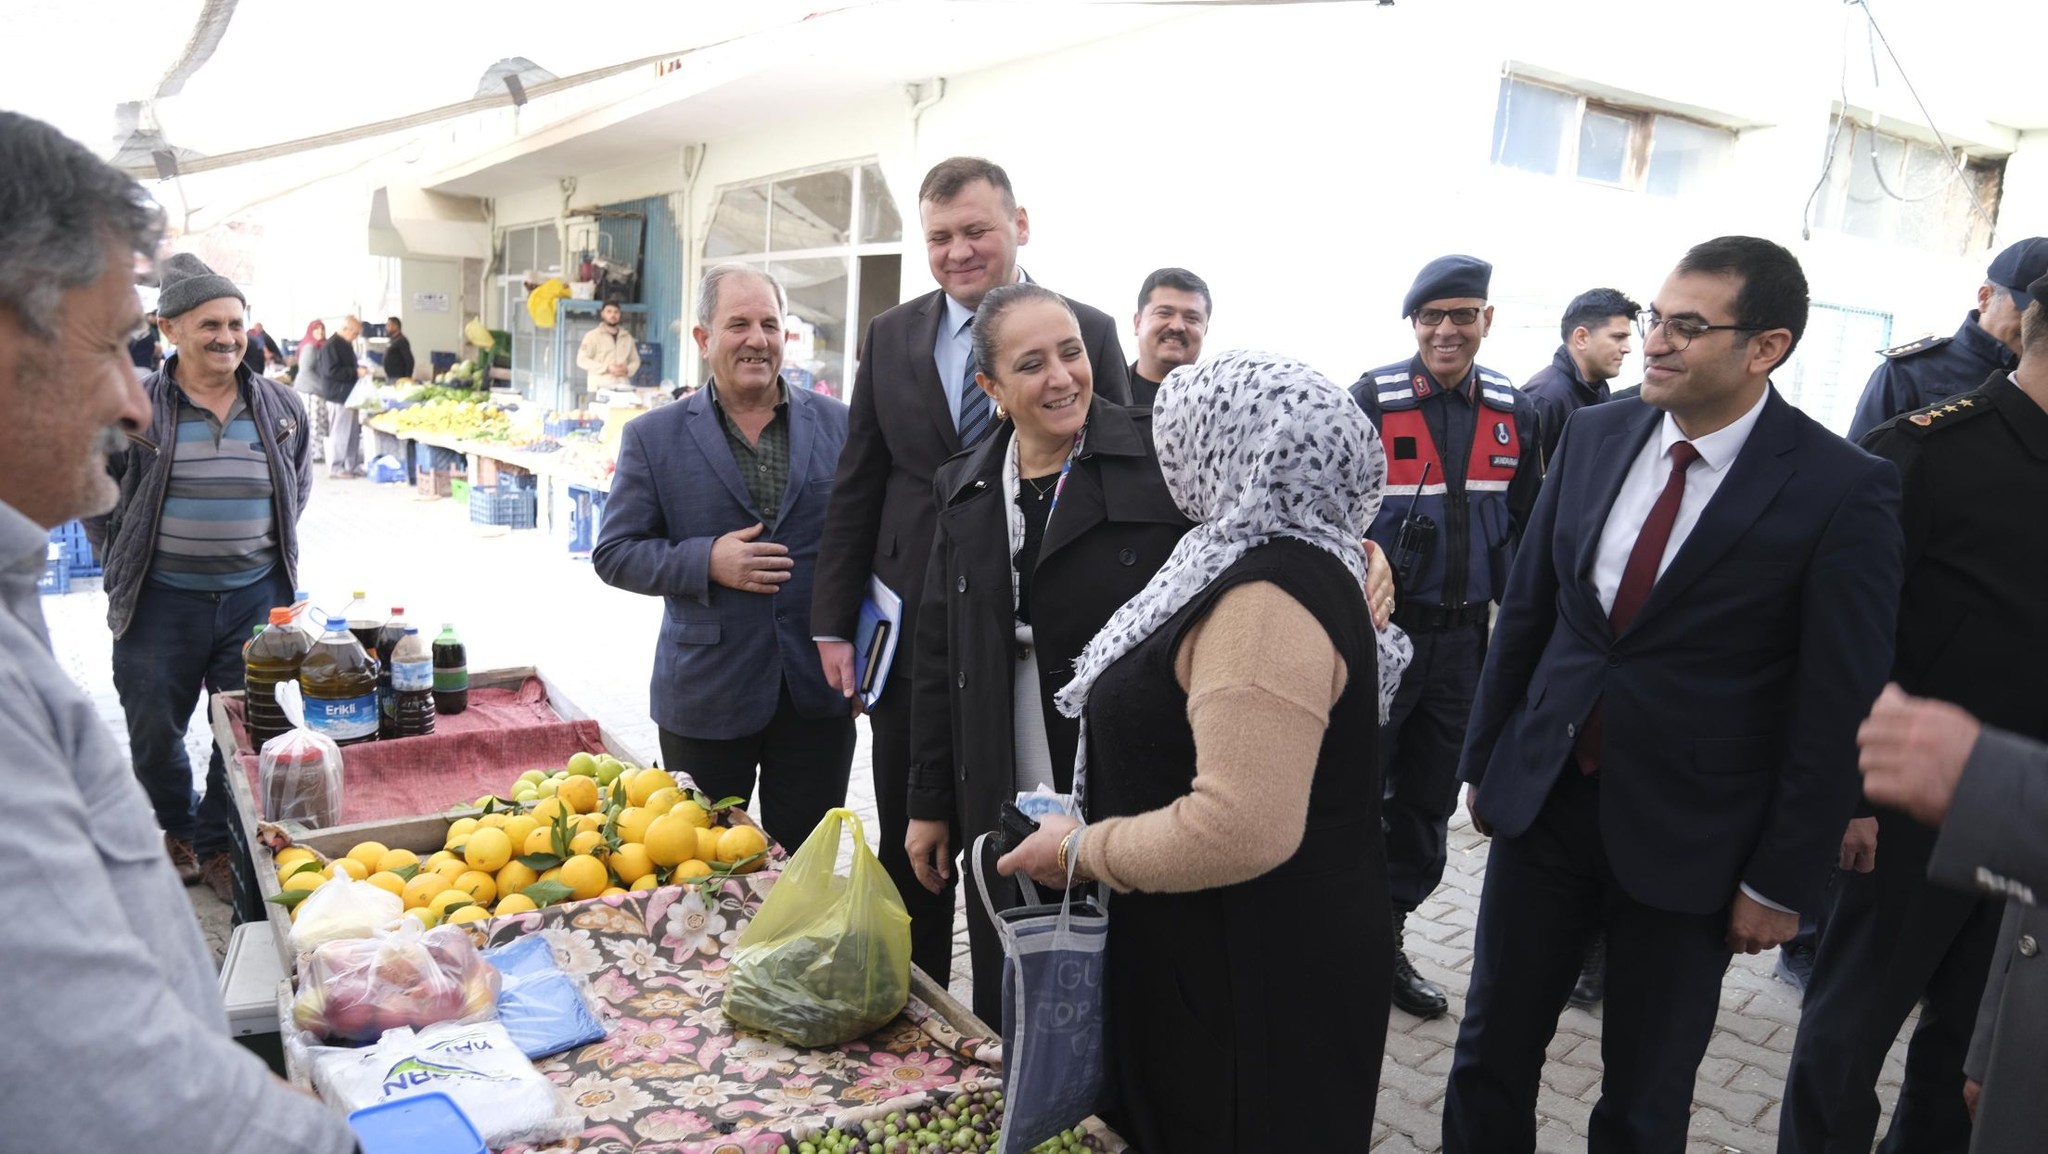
pixel 1045 527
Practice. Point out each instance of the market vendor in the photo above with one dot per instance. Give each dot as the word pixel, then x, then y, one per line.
pixel 200 546
pixel 118 1037
pixel 609 353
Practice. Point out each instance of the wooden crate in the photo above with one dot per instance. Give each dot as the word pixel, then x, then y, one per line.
pixel 421 834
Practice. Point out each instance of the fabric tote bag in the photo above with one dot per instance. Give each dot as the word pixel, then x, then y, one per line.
pixel 1054 1065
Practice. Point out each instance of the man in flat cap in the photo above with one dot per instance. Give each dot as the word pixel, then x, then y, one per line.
pixel 200 546
pixel 1462 473
pixel 1975 474
pixel 1931 369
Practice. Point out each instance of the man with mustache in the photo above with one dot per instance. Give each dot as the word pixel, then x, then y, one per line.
pixel 1462 474
pixel 106 969
pixel 201 545
pixel 717 507
pixel 1173 317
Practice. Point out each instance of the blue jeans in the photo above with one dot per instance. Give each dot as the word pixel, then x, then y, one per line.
pixel 178 644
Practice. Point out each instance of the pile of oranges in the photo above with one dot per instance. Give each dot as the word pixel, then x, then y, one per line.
pixel 585 839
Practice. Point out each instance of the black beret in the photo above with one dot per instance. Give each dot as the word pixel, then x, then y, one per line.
pixel 1447 278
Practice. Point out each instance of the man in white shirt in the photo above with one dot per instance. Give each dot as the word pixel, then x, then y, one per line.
pixel 609 353
pixel 1663 743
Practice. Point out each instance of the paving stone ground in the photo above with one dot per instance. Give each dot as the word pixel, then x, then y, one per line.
pixel 519 599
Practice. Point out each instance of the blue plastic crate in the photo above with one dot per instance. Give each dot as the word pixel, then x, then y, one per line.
pixel 586 519
pixel 498 505
pixel 56 576
pixel 433 458
pixel 71 535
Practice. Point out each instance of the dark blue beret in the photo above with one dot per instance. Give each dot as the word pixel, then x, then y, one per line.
pixel 2038 291
pixel 2020 265
pixel 1446 278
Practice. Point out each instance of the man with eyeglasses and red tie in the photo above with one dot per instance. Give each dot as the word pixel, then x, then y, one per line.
pixel 1663 747
pixel 1463 467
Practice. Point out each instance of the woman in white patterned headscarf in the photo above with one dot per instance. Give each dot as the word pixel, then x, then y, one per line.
pixel 1230 728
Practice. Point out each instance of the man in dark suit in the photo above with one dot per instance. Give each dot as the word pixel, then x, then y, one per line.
pixel 717 507
pixel 1663 744
pixel 1172 320
pixel 1975 474
pixel 915 404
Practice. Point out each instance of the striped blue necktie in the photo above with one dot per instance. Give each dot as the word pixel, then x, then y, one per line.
pixel 974 404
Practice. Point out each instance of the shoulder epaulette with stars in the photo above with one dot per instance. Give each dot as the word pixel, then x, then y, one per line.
pixel 1911 348
pixel 1942 414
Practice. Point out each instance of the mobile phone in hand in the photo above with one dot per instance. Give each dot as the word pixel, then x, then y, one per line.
pixel 1012 827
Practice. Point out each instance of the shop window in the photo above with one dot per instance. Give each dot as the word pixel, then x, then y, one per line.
pixel 833 238
pixel 1826 373
pixel 1551 131
pixel 529 249
pixel 1885 187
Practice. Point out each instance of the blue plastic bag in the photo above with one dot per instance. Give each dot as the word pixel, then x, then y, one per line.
pixel 545 1009
pixel 1054 1065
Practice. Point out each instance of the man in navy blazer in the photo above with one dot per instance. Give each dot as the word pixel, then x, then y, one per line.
pixel 717 507
pixel 1663 745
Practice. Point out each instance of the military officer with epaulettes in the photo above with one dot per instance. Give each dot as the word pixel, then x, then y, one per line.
pixel 1919 373
pixel 1972 626
pixel 1463 467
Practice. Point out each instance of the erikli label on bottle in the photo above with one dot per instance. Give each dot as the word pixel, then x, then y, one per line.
pixel 342 719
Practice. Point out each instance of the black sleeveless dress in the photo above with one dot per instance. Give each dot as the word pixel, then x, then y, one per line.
pixel 1231 1011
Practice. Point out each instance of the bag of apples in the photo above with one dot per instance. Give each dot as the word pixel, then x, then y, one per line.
pixel 357 988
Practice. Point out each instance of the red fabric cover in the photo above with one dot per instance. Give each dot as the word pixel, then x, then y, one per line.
pixel 481 750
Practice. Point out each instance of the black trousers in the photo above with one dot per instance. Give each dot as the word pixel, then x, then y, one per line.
pixel 1890 939
pixel 931 915
pixel 1547 892
pixel 1419 748
pixel 804 765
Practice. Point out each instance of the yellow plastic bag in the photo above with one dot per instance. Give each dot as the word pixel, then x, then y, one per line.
pixel 540 304
pixel 827 958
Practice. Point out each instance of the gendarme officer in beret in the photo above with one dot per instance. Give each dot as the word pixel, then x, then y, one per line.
pixel 1974 476
pixel 1931 369
pixel 1462 472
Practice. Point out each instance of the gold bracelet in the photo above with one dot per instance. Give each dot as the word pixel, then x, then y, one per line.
pixel 1066 843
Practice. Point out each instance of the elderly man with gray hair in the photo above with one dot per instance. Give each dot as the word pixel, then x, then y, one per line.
pixel 106 969
pixel 717 507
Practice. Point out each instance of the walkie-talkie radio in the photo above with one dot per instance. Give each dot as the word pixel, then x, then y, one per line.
pixel 1417 536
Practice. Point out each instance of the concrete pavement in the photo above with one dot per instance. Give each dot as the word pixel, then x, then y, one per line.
pixel 518 599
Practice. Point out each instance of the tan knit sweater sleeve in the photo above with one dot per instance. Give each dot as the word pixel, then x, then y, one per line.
pixel 1261 675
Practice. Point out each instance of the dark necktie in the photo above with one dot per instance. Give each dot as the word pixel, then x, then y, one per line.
pixel 1637 579
pixel 974 404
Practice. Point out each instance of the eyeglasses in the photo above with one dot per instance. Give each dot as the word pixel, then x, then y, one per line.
pixel 1430 318
pixel 1680 332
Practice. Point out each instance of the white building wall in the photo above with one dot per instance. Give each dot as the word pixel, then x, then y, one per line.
pixel 1306 160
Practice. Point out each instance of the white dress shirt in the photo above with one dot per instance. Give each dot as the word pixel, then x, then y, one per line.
pixel 1639 489
pixel 1645 480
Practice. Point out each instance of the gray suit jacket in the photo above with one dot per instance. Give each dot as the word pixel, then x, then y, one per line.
pixel 1992 842
pixel 723 655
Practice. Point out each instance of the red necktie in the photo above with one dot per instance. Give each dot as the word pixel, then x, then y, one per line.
pixel 1637 579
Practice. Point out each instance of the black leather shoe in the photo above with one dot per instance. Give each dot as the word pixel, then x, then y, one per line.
pixel 1413 992
pixel 1592 985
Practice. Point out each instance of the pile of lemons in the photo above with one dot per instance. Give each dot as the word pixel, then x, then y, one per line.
pixel 585 838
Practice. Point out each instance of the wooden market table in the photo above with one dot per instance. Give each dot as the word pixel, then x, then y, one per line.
pixel 672 1075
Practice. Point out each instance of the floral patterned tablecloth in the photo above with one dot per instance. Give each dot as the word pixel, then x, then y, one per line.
pixel 673 1076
